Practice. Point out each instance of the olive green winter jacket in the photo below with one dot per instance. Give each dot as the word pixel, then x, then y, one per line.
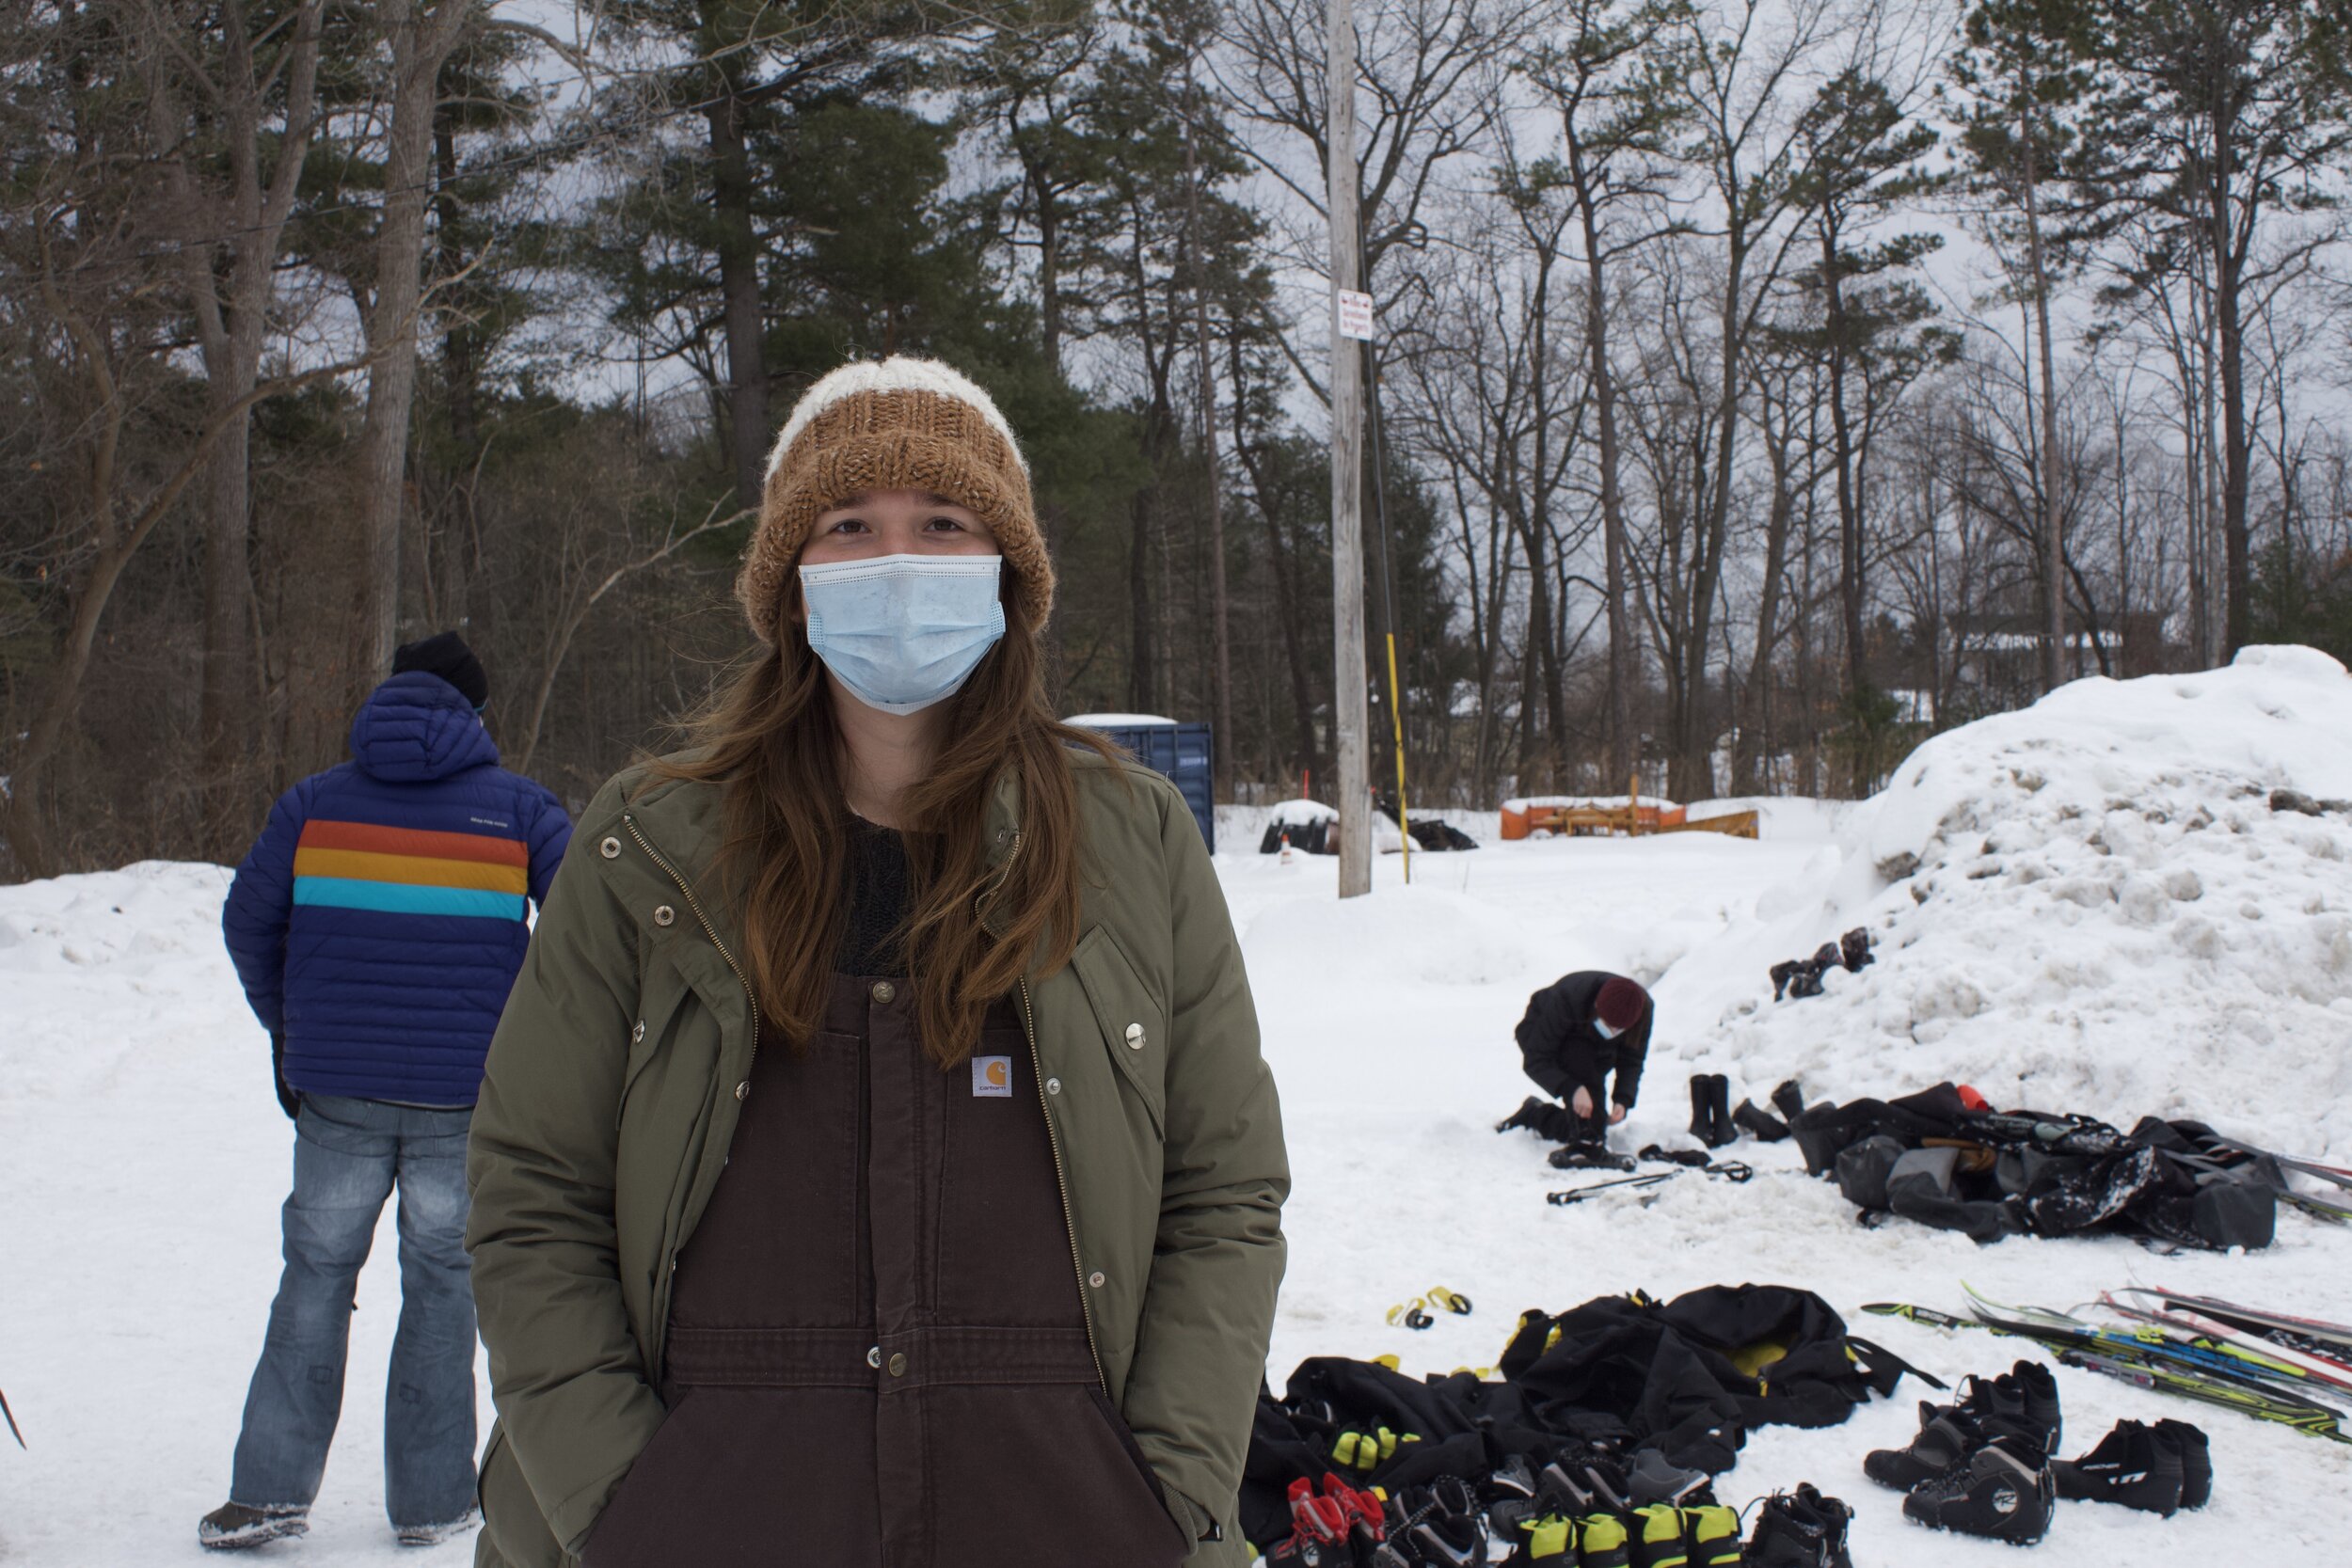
pixel 612 1091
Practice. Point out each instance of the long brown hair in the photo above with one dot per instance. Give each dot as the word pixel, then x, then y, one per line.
pixel 771 741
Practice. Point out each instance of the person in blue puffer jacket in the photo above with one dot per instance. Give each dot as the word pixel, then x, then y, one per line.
pixel 377 927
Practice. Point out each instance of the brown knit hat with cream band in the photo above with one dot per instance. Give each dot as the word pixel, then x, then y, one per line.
pixel 898 424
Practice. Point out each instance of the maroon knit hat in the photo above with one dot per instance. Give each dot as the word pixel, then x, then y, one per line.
pixel 1620 1004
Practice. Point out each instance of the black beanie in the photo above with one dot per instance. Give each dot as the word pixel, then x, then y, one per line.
pixel 445 655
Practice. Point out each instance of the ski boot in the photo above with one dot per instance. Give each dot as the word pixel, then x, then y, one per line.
pixel 2002 1492
pixel 1800 1530
pixel 2131 1465
pixel 2196 1460
pixel 2022 1402
pixel 1437 1525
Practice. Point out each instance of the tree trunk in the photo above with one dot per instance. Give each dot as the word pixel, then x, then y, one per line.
pixel 739 291
pixel 1849 561
pixel 1621 658
pixel 231 234
pixel 1756 701
pixel 420 41
pixel 1143 671
pixel 461 350
pixel 2236 544
pixel 1049 261
pixel 1289 595
pixel 2053 554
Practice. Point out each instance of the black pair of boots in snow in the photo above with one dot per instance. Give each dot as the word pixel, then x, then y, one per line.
pixel 2156 1469
pixel 1980 1466
pixel 1710 1110
pixel 1714 1123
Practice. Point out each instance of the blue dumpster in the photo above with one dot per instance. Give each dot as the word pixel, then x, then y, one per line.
pixel 1184 752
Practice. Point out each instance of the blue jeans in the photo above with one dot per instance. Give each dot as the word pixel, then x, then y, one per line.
pixel 348 1156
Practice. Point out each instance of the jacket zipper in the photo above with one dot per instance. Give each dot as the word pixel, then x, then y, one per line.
pixel 669 1267
pixel 1053 1139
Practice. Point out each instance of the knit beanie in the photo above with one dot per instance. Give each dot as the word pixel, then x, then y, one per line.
pixel 897 424
pixel 1620 1004
pixel 445 653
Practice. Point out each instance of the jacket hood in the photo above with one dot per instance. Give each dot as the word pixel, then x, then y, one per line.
pixel 416 727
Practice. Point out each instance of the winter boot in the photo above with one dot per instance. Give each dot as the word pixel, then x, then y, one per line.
pixel 1531 1115
pixel 233 1526
pixel 2129 1466
pixel 1512 1489
pixel 1712 1532
pixel 1803 1530
pixel 1659 1538
pixel 1651 1480
pixel 1603 1540
pixel 2003 1492
pixel 2196 1460
pixel 1446 1539
pixel 1703 1108
pixel 1545 1540
pixel 1764 1127
pixel 1789 1100
pixel 1719 1111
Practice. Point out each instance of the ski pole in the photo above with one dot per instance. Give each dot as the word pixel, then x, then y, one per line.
pixel 1570 1195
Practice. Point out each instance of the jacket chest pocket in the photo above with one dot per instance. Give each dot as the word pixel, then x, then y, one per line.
pixel 1133 1020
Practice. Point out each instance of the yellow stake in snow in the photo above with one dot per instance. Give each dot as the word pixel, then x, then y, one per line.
pixel 1396 713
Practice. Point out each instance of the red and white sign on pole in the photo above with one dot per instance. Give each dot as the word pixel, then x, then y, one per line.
pixel 1355 315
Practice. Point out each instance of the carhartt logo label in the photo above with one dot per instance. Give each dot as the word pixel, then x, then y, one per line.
pixel 992 1077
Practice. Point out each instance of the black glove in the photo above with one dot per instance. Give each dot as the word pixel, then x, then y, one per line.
pixel 286 1094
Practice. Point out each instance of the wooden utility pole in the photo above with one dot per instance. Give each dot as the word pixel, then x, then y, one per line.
pixel 1350 716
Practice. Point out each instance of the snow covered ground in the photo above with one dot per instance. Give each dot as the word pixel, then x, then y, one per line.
pixel 2089 906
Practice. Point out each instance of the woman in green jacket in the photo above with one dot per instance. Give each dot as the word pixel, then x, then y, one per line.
pixel 875 1167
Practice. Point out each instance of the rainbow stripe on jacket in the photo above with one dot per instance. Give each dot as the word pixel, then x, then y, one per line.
pixel 360 866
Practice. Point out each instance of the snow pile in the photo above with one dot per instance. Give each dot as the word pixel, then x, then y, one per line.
pixel 2089 905
pixel 1784 816
pixel 98 968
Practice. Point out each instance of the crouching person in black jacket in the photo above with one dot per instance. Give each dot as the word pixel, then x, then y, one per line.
pixel 1579 1033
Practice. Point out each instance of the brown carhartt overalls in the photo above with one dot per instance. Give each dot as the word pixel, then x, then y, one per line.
pixel 877 1355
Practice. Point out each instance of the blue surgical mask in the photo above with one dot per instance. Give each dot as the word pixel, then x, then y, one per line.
pixel 904 631
pixel 1604 1031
